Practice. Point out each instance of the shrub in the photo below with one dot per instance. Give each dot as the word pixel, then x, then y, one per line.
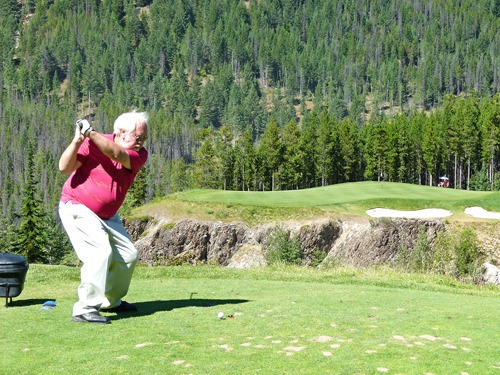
pixel 282 249
pixel 419 258
pixel 451 254
pixel 70 259
pixel 479 181
pixel 318 256
pixel 442 260
pixel 422 251
pixel 467 255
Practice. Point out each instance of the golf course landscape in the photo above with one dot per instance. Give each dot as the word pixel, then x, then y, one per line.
pixel 279 319
pixel 221 187
pixel 333 201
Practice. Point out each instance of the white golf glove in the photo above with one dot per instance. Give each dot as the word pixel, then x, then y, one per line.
pixel 84 127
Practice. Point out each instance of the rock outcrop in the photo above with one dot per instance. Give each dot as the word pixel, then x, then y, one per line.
pixel 238 245
pixel 377 242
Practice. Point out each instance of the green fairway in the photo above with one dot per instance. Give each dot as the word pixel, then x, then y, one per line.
pixel 277 321
pixel 347 199
pixel 357 192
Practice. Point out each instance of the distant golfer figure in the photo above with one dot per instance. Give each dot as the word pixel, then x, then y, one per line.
pixel 102 168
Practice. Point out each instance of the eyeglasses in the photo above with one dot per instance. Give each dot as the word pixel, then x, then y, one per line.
pixel 139 138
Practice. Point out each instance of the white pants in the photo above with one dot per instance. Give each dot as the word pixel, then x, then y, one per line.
pixel 107 253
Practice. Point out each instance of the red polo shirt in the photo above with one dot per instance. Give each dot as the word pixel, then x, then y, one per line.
pixel 101 183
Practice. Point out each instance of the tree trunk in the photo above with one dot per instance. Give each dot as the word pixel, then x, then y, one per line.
pixel 455 174
pixel 492 172
pixel 468 174
pixel 460 174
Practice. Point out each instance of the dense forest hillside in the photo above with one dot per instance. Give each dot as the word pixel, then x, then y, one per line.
pixel 247 95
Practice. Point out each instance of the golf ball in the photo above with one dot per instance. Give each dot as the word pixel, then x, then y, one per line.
pixel 220 315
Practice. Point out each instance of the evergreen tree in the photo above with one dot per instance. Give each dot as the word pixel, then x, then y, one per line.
pixel 248 160
pixel 58 246
pixel 431 146
pixel 9 236
pixel 415 134
pixel 469 112
pixel 252 112
pixel 207 167
pixel 32 232
pixel 348 145
pixel 490 128
pixel 376 151
pixel 225 153
pixel 404 163
pixel 271 153
pixel 210 106
pixel 136 195
pixel 292 167
pixel 307 144
pixel 455 138
pixel 392 151
pixel 324 149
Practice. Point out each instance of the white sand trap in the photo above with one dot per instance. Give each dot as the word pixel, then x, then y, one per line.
pixel 482 213
pixel 428 213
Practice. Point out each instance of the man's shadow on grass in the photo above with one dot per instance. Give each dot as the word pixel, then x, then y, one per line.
pixel 152 307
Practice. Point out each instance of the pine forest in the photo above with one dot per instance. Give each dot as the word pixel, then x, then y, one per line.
pixel 246 95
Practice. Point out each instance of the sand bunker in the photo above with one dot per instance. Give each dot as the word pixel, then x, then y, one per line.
pixel 431 213
pixel 428 213
pixel 482 213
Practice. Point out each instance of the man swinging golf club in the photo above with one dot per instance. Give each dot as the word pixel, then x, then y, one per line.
pixel 102 167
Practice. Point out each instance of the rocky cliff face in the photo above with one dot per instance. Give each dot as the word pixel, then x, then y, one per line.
pixel 237 245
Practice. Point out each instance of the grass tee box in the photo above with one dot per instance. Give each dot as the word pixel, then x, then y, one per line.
pixel 276 321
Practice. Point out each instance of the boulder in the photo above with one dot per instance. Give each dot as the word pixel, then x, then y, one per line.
pixel 491 273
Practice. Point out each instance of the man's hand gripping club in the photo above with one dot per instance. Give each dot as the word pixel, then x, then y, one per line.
pixel 84 127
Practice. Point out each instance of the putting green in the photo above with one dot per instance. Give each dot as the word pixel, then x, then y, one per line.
pixel 348 193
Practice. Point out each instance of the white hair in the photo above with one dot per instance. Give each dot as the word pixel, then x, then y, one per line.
pixel 129 120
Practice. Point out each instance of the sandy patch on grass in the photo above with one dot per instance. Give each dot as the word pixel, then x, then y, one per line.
pixel 294 348
pixel 429 337
pixel 142 345
pixel 321 339
pixel 428 213
pixel 482 213
pixel 226 347
pixel 431 213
